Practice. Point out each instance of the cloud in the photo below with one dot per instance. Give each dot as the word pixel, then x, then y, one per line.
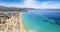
pixel 11 5
pixel 42 5
pixel 34 4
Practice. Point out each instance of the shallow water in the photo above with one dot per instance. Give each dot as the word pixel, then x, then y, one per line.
pixel 41 21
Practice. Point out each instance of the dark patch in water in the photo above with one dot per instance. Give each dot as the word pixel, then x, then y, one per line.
pixel 58 22
pixel 45 20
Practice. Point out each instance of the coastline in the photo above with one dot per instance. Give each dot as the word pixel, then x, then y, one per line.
pixel 22 28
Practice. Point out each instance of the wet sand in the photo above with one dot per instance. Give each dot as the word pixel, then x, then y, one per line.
pixel 22 28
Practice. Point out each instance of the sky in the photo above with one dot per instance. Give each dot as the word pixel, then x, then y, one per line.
pixel 42 4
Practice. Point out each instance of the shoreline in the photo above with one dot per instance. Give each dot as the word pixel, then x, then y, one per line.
pixel 22 28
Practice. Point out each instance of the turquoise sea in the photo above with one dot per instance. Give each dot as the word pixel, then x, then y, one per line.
pixel 41 20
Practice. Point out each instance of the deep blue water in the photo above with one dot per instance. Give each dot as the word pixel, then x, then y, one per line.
pixel 41 20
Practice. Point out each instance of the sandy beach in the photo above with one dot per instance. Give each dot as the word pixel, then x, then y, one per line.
pixel 22 28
